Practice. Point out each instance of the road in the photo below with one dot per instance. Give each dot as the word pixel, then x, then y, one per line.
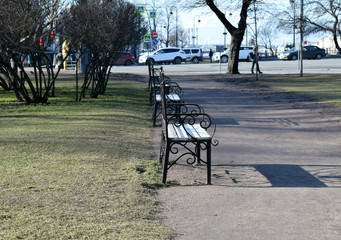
pixel 327 65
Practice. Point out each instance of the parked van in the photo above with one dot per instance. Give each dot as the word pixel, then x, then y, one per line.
pixel 193 55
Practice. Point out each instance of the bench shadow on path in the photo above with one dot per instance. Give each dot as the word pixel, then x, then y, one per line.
pixel 260 175
pixel 277 175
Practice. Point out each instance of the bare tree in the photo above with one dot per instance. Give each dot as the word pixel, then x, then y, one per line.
pixel 237 33
pixel 182 37
pixel 324 16
pixel 26 30
pixel 167 22
pixel 101 29
pixel 266 35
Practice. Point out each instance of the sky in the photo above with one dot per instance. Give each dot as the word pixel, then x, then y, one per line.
pixel 210 29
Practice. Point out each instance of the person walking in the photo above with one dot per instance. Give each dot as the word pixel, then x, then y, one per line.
pixel 255 60
pixel 65 52
pixel 211 55
pixel 59 60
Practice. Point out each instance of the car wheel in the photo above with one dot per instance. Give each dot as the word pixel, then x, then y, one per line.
pixel 224 59
pixel 128 63
pixel 294 57
pixel 195 60
pixel 177 60
pixel 318 56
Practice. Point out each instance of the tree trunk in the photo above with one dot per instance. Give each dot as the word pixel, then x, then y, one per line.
pixel 337 45
pixel 236 40
pixel 237 34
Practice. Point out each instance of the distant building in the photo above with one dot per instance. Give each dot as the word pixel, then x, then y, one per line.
pixel 282 48
pixel 328 44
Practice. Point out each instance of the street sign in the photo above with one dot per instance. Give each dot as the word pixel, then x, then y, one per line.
pixel 147 38
pixel 155 35
pixel 155 41
pixel 140 9
pixel 155 48
pixel 152 14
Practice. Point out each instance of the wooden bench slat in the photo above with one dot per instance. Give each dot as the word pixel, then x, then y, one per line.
pixel 171 132
pixel 197 131
pixel 171 97
pixel 177 133
pixel 181 132
pixel 186 132
pixel 191 131
pixel 158 97
pixel 174 97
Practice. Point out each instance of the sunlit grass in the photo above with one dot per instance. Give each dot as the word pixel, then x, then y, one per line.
pixel 74 170
pixel 323 87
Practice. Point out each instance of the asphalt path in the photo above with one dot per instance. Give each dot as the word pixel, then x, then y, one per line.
pixel 276 173
pixel 326 65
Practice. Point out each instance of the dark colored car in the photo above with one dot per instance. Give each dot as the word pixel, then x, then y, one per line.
pixel 126 59
pixel 309 52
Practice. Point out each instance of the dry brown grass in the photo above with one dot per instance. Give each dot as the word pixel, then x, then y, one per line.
pixel 79 170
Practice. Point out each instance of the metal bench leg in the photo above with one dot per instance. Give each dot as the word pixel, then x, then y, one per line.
pixel 198 153
pixel 165 163
pixel 208 163
pixel 162 147
pixel 150 84
pixel 151 95
pixel 156 105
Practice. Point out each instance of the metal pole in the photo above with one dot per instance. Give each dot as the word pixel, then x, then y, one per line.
pixel 197 36
pixel 256 35
pixel 225 39
pixel 246 44
pixel 294 37
pixel 193 32
pixel 301 40
pixel 176 20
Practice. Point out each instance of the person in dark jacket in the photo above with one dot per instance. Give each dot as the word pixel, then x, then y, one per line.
pixel 254 60
pixel 211 55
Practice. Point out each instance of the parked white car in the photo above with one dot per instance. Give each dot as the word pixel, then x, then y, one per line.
pixel 193 55
pixel 165 55
pixel 244 54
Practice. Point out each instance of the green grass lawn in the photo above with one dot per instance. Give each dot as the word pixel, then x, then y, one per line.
pixel 323 87
pixel 79 170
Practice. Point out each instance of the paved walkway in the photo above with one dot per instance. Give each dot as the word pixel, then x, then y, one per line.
pixel 276 173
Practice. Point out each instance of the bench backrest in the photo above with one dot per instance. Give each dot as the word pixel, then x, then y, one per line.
pixel 163 100
pixel 181 114
pixel 153 77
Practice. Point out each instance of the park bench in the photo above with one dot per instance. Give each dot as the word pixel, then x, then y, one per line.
pixel 173 94
pixel 153 83
pixel 172 89
pixel 186 131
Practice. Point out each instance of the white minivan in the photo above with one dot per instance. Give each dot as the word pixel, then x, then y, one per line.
pixel 244 54
pixel 193 55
